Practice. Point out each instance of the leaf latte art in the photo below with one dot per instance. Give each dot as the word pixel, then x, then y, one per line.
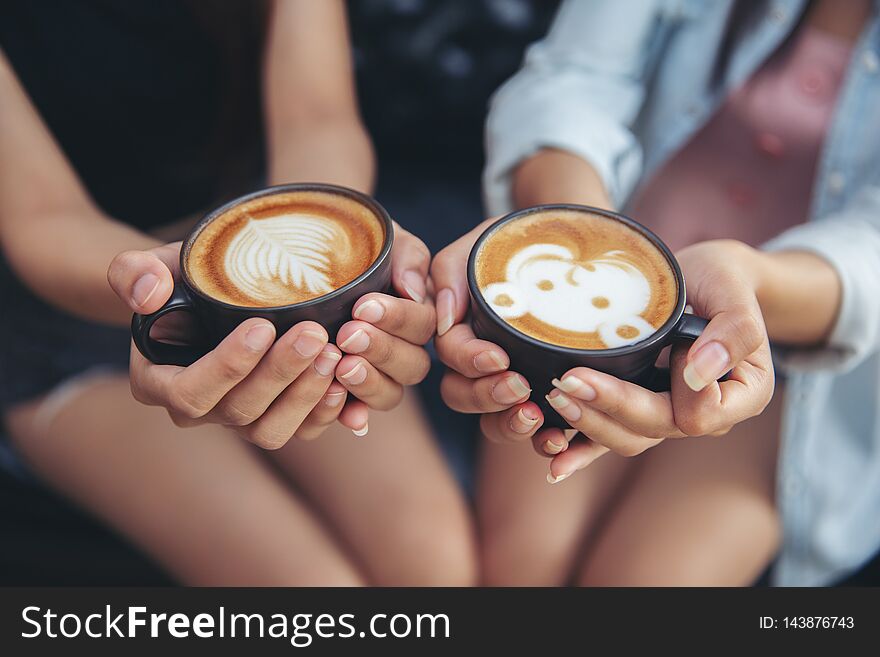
pixel 292 249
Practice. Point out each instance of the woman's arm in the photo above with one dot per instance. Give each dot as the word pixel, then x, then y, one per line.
pixel 54 237
pixel 314 130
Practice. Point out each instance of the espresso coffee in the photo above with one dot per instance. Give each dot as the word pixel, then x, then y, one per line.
pixel 284 248
pixel 576 279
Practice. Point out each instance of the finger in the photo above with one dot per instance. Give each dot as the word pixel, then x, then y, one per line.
pixel 324 414
pixel 644 412
pixel 489 394
pixel 355 415
pixel 580 453
pixel 283 363
pixel 144 279
pixel 516 424
pixel 449 275
pixel 717 407
pixel 735 330
pixel 406 363
pixel 402 318
pixel 410 260
pixel 550 442
pixel 282 419
pixel 599 427
pixel 461 350
pixel 368 384
pixel 190 393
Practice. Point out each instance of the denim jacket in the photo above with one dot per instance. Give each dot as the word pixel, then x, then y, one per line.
pixel 624 85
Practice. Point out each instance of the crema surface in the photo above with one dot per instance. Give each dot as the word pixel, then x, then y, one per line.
pixel 576 279
pixel 285 248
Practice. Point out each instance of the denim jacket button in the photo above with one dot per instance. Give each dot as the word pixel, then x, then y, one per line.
pixel 871 61
pixel 836 182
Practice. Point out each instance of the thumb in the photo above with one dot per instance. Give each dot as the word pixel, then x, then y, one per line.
pixel 730 337
pixel 449 275
pixel 144 280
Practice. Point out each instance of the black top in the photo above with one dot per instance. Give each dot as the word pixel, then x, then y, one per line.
pixel 138 95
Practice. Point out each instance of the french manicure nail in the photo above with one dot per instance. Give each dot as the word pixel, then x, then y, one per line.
pixel 565 407
pixel 144 288
pixel 259 337
pixel 510 390
pixel 356 343
pixel 356 375
pixel 445 310
pixel 363 431
pixel 551 479
pixel 522 423
pixel 489 362
pixel 550 447
pixel 574 386
pixel 414 285
pixel 370 311
pixel 325 363
pixel 333 399
pixel 309 343
pixel 707 365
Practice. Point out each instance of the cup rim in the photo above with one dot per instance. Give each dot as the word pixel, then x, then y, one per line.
pixel 658 336
pixel 371 203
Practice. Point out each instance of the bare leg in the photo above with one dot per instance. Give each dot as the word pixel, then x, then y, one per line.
pixel 200 501
pixel 532 532
pixel 700 512
pixel 390 497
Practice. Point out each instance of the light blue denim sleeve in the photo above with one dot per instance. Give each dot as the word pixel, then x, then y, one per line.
pixel 850 241
pixel 580 90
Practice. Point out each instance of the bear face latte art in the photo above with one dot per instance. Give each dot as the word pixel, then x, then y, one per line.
pixel 285 248
pixel 576 279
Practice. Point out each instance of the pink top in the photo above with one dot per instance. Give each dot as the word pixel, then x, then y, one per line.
pixel 748 173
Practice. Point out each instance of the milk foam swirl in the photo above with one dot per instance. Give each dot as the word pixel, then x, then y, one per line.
pixel 605 295
pixel 294 249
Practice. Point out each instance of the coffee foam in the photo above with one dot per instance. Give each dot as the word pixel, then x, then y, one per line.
pixel 285 248
pixel 576 279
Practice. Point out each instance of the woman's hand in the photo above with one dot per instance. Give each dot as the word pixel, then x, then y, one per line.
pixel 384 344
pixel 478 380
pixel 266 390
pixel 722 279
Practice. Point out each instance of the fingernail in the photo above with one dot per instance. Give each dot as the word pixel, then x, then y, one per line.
pixel 551 479
pixel 574 386
pixel 309 343
pixel 259 337
pixel 333 399
pixel 550 447
pixel 325 363
pixel 370 311
pixel 356 343
pixel 709 363
pixel 363 431
pixel 510 390
pixel 565 407
pixel 521 423
pixel 489 362
pixel 356 375
pixel 445 310
pixel 414 284
pixel 144 288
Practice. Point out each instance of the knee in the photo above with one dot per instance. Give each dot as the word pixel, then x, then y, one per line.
pixel 432 549
pixel 511 556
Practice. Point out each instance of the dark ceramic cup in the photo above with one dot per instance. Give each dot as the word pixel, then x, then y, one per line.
pixel 215 319
pixel 541 361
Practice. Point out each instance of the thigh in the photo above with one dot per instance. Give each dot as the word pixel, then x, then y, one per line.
pixel 531 531
pixel 391 498
pixel 198 500
pixel 701 511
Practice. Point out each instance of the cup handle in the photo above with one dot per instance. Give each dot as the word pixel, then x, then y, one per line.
pixel 162 353
pixel 688 329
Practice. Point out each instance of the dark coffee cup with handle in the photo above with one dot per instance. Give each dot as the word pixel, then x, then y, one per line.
pixel 541 358
pixel 287 254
